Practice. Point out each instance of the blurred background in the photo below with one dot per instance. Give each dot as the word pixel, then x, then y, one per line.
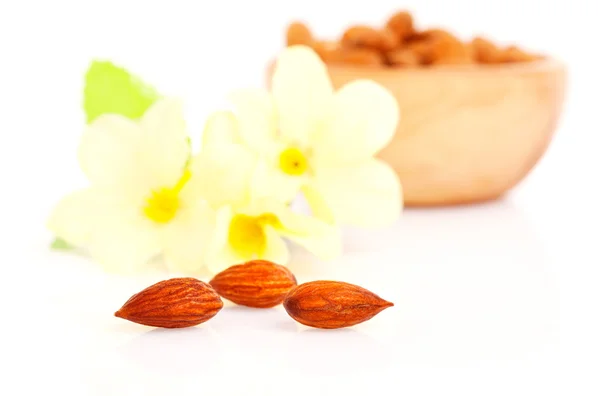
pixel 202 50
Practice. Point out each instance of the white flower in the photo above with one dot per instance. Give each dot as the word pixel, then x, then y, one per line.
pixel 257 231
pixel 143 200
pixel 252 225
pixel 318 141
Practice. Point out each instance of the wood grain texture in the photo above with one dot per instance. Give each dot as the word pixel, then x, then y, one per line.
pixel 257 283
pixel 468 133
pixel 173 303
pixel 332 305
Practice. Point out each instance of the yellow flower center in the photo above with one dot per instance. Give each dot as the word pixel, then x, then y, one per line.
pixel 293 162
pixel 163 204
pixel 247 234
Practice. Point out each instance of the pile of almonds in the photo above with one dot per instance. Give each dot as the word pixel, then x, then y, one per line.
pixel 400 44
pixel 185 302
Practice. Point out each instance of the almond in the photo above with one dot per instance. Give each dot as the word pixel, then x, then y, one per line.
pixel 332 305
pixel 359 56
pixel 298 34
pixel 328 51
pixel 388 40
pixel 515 54
pixel 437 46
pixel 402 57
pixel 173 303
pixel 362 36
pixel 401 24
pixel 257 283
pixel 485 51
pixel 399 43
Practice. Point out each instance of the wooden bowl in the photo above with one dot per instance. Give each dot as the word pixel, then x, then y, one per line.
pixel 467 133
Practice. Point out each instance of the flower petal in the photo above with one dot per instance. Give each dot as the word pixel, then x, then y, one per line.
pixel 219 254
pixel 302 91
pixel 276 249
pixel 322 239
pixel 108 151
pixel 363 121
pixel 318 206
pixel 269 182
pixel 256 117
pixel 367 194
pixel 165 120
pixel 74 217
pixel 222 174
pixel 220 127
pixel 123 240
pixel 165 148
pixel 118 153
pixel 187 237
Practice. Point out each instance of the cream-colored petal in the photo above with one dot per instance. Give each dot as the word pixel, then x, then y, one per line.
pixel 186 238
pixel 108 153
pixel 257 118
pixel 220 260
pixel 221 174
pixel 302 92
pixel 269 182
pixel 220 127
pixel 320 238
pixel 165 120
pixel 165 148
pixel 363 121
pixel 219 255
pixel 123 241
pixel 318 206
pixel 367 194
pixel 276 250
pixel 75 216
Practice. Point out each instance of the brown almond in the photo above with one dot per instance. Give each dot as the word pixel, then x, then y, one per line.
pixel 421 49
pixel 432 34
pixel 257 283
pixel 298 34
pixel 453 53
pixel 387 40
pixel 402 57
pixel 402 25
pixel 485 51
pixel 361 36
pixel 514 54
pixel 328 51
pixel 441 47
pixel 367 37
pixel 332 305
pixel 359 56
pixel 173 303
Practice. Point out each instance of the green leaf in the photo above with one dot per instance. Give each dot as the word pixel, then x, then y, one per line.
pixel 61 244
pixel 112 89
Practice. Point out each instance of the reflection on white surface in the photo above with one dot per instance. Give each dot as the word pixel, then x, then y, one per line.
pixel 471 286
pixel 340 352
pixel 173 351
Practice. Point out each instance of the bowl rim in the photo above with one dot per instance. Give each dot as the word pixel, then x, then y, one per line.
pixel 542 65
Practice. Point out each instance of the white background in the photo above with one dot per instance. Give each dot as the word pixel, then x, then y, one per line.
pixel 498 299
